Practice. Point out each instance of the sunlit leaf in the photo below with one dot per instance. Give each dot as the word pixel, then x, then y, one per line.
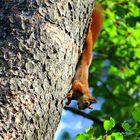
pixel 136 114
pixel 81 137
pixel 137 52
pixel 90 131
pixel 109 124
pixel 137 80
pixel 116 136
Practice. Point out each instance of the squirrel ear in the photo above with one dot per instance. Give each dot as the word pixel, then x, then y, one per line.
pixel 93 100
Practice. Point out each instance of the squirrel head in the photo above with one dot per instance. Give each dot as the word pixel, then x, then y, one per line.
pixel 85 101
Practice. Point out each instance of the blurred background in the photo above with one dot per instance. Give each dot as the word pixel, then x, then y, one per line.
pixel 114 78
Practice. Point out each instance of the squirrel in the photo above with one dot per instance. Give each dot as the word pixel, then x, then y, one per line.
pixel 80 89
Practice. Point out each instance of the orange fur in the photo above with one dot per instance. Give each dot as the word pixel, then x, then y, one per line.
pixel 80 88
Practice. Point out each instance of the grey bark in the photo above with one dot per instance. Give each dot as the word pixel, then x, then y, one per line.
pixel 40 43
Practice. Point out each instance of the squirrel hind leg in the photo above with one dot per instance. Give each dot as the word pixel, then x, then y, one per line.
pixel 78 86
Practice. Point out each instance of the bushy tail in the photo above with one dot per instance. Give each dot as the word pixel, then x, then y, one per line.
pixel 95 24
pixel 94 29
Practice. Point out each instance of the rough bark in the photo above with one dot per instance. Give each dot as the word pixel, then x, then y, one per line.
pixel 40 42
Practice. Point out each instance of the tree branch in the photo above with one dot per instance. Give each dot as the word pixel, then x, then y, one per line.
pixel 90 117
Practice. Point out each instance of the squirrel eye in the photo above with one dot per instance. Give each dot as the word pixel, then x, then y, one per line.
pixel 87 103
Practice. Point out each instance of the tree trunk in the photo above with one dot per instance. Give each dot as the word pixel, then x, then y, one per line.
pixel 39 50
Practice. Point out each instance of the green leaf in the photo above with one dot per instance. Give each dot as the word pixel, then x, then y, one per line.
pixel 137 52
pixel 109 124
pixel 136 114
pixel 116 136
pixel 100 138
pixel 81 137
pixel 131 21
pixel 90 131
pixel 119 89
pixel 87 135
pixel 113 70
pixel 126 126
pixel 137 80
pixel 120 11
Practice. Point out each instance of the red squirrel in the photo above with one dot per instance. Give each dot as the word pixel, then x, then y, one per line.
pixel 80 89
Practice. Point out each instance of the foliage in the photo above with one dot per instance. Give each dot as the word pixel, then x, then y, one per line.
pixel 115 73
pixel 109 124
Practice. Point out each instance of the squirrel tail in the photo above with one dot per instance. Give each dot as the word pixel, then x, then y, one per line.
pixel 95 26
